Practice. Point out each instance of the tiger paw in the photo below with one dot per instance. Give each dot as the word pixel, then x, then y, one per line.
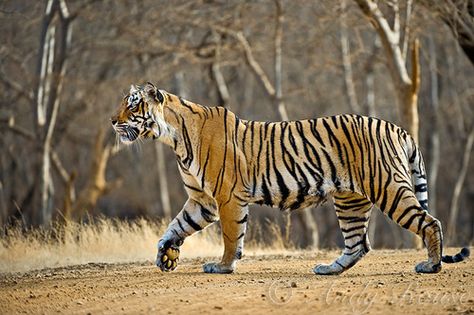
pixel 428 267
pixel 327 270
pixel 168 257
pixel 217 268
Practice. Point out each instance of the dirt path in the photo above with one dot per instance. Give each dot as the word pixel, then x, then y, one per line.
pixel 384 281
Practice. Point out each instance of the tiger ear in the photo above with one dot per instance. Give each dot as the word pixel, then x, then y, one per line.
pixel 153 93
pixel 133 88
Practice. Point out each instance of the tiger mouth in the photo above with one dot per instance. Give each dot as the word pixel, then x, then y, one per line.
pixel 127 134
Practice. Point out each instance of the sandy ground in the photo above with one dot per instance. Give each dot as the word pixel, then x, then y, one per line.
pixel 383 282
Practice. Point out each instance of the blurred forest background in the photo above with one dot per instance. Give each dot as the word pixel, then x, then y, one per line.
pixel 65 65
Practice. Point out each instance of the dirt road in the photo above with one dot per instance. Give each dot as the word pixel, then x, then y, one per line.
pixel 384 281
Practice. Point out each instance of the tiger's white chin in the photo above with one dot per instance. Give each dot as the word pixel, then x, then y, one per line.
pixel 126 140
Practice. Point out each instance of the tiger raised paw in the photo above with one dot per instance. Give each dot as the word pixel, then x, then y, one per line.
pixel 227 163
pixel 168 256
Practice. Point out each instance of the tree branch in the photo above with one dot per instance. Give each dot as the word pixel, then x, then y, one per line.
pixel 406 29
pixel 249 57
pixel 346 62
pixel 390 40
pixel 217 73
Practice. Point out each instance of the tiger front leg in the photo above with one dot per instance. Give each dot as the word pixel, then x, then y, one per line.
pixel 233 219
pixel 192 218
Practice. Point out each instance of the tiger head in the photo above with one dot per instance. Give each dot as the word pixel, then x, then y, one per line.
pixel 140 114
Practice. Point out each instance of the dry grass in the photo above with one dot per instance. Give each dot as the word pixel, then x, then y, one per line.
pixel 110 241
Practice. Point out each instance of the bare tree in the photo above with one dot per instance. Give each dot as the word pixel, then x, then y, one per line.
pixel 96 184
pixel 55 41
pixel 278 57
pixel 163 179
pixel 454 208
pixel 3 206
pixel 222 89
pixel 346 62
pixel 434 138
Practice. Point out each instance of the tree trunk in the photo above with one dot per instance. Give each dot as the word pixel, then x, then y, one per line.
pixel 346 63
pixel 217 75
pixel 3 207
pixel 55 40
pixel 278 57
pixel 454 208
pixel 408 96
pixel 161 170
pixel 434 138
pixel 96 185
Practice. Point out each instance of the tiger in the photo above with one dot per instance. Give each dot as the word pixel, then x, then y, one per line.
pixel 227 163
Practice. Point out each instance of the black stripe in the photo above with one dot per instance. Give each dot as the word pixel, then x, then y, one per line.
pixel 267 197
pixel 181 226
pixel 183 102
pixel 243 220
pixel 412 157
pixel 352 206
pixel 343 267
pixel 192 188
pixel 424 203
pixel 410 220
pixel 204 168
pixel 307 144
pixel 421 188
pixel 284 191
pixel 353 219
pixel 334 178
pixel 190 221
pixel 355 245
pixel 354 228
pixel 220 177
pixel 188 146
pixel 406 211
pixel 352 236
pixel 207 215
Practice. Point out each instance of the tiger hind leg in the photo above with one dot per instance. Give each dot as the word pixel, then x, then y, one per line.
pixel 404 208
pixel 353 212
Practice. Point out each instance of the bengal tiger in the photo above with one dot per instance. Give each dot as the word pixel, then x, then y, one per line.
pixel 227 163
